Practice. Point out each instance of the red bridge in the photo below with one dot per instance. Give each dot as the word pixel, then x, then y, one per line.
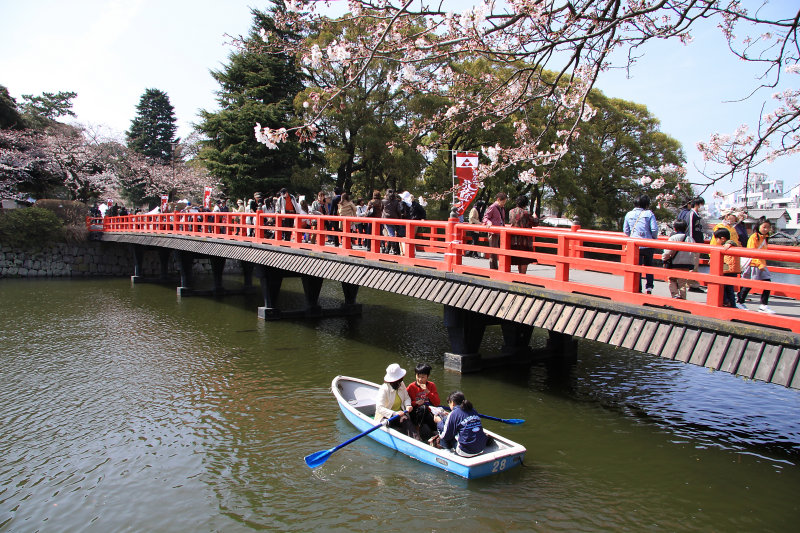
pixel 583 284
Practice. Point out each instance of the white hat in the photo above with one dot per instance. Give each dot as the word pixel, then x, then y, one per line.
pixel 394 373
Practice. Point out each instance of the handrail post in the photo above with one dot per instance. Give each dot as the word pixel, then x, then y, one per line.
pixel 451 258
pixel 631 257
pixel 562 266
pixel 411 233
pixel 715 268
pixel 503 260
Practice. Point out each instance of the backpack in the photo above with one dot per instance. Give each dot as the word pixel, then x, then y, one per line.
pixel 686 216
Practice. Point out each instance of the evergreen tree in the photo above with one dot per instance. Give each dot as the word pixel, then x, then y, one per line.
pixel 152 132
pixel 50 105
pixel 9 114
pixel 254 88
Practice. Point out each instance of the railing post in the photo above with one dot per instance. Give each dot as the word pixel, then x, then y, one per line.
pixel 451 258
pixel 631 257
pixel 562 266
pixel 715 268
pixel 503 260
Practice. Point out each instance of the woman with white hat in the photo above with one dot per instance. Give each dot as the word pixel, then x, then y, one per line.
pixel 393 399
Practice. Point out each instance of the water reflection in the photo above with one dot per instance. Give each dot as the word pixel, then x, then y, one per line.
pixel 126 408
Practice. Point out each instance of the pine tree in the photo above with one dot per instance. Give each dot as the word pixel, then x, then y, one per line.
pixel 254 88
pixel 152 132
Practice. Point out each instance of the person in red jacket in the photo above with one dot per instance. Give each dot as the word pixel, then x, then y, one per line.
pixel 423 396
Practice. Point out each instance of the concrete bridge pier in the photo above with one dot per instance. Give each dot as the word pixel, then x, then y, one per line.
pixel 164 255
pixel 465 331
pixel 186 267
pixel 562 347
pixel 271 281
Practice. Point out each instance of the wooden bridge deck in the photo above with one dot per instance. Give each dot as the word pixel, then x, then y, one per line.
pixel 750 350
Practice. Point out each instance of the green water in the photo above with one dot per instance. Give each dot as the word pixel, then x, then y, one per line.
pixel 127 409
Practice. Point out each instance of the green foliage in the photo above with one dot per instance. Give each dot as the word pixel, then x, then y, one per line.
pixel 153 129
pixel 364 131
pixel 29 228
pixel 49 105
pixel 601 174
pixel 255 87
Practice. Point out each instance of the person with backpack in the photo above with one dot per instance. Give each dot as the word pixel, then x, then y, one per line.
pixel 392 209
pixel 678 260
pixel 641 223
pixel 694 225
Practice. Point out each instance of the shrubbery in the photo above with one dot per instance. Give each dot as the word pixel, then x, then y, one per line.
pixel 30 228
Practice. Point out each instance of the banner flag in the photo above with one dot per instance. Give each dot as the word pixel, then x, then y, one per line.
pixel 207 197
pixel 466 165
pixel 164 202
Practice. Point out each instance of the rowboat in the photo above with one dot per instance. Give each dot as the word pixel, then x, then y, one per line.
pixel 356 398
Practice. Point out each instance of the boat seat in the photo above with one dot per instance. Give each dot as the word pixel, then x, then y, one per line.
pixel 364 400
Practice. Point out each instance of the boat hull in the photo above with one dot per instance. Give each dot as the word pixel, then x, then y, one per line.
pixel 356 400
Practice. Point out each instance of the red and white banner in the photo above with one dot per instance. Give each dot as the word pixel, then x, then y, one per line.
pixel 466 165
pixel 164 202
pixel 207 197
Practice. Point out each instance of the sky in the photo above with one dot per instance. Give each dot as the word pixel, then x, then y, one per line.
pixel 111 51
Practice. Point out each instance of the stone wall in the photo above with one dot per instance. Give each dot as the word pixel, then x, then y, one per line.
pixel 88 259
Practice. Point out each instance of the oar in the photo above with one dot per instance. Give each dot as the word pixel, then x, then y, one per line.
pixel 318 458
pixel 503 420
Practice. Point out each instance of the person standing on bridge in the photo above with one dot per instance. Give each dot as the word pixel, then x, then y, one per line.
pixel 287 205
pixel 495 216
pixel 694 224
pixel 641 223
pixel 520 217
pixel 755 268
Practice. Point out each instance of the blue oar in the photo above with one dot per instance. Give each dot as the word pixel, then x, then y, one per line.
pixel 503 420
pixel 318 458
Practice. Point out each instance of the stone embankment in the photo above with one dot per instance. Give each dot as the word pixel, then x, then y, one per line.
pixel 86 259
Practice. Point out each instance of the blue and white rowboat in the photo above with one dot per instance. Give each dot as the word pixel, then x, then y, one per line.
pixel 356 399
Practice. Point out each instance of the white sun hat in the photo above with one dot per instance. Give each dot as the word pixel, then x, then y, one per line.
pixel 394 373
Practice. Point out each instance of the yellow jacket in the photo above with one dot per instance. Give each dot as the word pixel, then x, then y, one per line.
pixel 731 229
pixel 757 241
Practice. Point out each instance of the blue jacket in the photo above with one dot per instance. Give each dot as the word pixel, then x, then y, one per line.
pixel 463 428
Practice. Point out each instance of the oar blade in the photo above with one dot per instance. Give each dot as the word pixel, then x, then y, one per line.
pixel 514 420
pixel 318 458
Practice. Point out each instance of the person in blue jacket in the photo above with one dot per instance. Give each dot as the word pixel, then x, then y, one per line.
pixel 462 429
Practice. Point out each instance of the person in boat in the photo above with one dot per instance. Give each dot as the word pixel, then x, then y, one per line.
pixel 392 399
pixel 424 401
pixel 462 429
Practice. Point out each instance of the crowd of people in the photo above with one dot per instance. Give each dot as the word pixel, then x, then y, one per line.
pixel 640 222
pixel 688 227
pixel 415 411
pixel 340 203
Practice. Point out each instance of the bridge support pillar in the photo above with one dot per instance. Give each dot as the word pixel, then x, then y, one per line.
pixel 516 340
pixel 271 280
pixel 185 264
pixel 217 269
pixel 350 307
pixel 465 330
pixel 164 255
pixel 163 261
pixel 247 272
pixel 138 260
pixel 563 346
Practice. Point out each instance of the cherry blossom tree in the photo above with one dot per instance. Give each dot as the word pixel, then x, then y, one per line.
pixel 87 164
pixel 548 53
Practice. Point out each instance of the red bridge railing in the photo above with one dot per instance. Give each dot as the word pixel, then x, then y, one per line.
pixel 575 260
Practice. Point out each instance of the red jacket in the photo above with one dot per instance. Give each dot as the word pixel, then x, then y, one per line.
pixel 430 395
